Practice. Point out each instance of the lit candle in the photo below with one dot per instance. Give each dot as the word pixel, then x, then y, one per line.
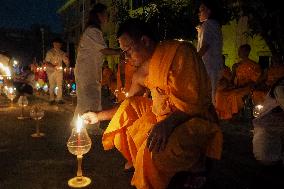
pixel 37 86
pixel 79 124
pixel 257 110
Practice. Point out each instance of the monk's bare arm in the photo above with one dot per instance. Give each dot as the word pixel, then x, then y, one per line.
pixel 138 80
pixel 107 114
pixel 137 88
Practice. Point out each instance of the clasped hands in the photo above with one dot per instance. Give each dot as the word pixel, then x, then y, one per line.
pixel 157 137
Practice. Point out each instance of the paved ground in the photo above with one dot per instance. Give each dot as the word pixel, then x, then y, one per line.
pixel 45 163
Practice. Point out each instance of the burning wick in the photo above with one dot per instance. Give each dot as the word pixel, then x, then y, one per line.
pixel 79 124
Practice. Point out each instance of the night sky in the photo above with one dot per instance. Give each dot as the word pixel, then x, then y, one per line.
pixel 24 13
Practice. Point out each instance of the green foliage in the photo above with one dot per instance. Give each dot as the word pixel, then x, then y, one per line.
pixel 264 19
pixel 173 18
pixel 121 12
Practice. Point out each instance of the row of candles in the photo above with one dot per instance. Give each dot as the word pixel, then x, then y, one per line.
pixel 79 143
pixel 40 73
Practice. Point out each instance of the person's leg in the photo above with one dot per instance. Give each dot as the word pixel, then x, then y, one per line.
pixel 59 82
pixel 122 131
pixel 185 152
pixel 52 83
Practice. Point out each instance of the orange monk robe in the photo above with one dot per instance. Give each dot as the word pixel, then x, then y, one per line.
pixel 225 109
pixel 171 90
pixel 247 72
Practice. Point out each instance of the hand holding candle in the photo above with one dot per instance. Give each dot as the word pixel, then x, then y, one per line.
pixel 90 118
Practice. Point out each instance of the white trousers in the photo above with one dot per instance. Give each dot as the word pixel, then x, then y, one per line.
pixel 55 79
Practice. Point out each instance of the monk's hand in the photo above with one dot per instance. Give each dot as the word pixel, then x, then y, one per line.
pixel 158 136
pixel 90 118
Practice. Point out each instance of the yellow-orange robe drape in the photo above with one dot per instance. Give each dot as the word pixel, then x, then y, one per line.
pixel 229 100
pixel 171 89
pixel 224 108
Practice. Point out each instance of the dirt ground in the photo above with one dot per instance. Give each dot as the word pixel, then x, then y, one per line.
pixel 45 163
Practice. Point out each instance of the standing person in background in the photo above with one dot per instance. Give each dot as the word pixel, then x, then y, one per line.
pixel 25 82
pixel 88 68
pixel 53 62
pixel 210 42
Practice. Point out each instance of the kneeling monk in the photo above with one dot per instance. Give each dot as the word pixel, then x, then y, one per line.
pixel 176 129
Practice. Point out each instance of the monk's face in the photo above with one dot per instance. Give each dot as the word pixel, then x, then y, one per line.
pixel 136 51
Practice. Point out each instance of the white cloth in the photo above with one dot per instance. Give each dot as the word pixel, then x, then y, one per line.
pixel 88 71
pixel 269 129
pixel 55 75
pixel 56 58
pixel 211 34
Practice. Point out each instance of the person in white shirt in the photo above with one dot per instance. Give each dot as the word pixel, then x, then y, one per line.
pixel 53 62
pixel 88 67
pixel 210 41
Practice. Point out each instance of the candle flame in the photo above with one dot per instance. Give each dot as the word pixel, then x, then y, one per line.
pixel 79 124
pixel 259 107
